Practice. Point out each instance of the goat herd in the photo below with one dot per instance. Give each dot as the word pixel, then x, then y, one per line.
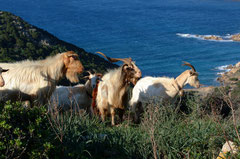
pixel 34 82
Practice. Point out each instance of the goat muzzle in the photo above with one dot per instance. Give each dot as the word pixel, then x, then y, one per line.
pixel 181 92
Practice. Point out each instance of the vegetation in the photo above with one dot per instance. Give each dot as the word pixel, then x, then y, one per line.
pixel 20 41
pixel 184 130
pixel 24 133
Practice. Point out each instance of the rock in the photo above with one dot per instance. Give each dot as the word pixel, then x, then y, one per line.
pixel 226 148
pixel 229 66
pixel 236 37
pixel 238 64
pixel 212 37
pixel 232 76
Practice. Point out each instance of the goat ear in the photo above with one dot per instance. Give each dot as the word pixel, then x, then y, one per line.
pixel 71 55
pixel 125 67
pixel 193 73
pixel 5 70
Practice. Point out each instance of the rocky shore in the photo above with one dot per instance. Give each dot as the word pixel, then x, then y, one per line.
pixel 230 79
pixel 235 37
pixel 213 37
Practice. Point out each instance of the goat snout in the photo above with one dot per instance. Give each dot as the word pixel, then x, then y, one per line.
pixel 181 92
pixel 139 74
pixel 197 86
pixel 81 69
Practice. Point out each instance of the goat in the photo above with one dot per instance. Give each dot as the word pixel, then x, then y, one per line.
pixel 38 79
pixel 112 90
pixel 78 96
pixel 163 87
pixel 11 94
pixel 2 82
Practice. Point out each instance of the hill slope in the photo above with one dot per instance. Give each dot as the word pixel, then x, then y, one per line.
pixel 20 40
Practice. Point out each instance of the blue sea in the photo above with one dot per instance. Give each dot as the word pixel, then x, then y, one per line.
pixel 157 34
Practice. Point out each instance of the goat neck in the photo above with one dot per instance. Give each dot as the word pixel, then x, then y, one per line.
pixel 88 88
pixel 181 80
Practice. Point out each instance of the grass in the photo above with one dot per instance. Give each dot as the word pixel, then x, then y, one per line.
pixel 165 131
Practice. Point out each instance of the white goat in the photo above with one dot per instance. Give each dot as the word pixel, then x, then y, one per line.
pixel 163 87
pixel 112 90
pixel 77 97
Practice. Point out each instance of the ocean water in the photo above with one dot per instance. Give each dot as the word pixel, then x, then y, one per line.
pixel 157 34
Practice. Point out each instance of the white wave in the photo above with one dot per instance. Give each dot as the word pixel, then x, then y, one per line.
pixel 187 35
pixel 220 73
pixel 226 38
pixel 183 35
pixel 223 69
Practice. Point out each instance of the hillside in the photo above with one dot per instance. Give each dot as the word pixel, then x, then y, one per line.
pixel 20 40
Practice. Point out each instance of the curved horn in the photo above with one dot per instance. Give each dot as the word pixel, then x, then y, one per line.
pixel 86 77
pixel 188 64
pixel 89 72
pixel 125 60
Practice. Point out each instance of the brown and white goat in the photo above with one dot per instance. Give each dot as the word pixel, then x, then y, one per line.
pixel 163 87
pixel 38 79
pixel 77 97
pixel 112 90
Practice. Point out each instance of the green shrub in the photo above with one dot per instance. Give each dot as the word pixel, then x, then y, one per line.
pixel 233 79
pixel 24 132
pixel 172 134
pixel 165 131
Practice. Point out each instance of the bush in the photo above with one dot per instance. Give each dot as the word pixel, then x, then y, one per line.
pixel 84 137
pixel 172 134
pixel 24 132
pixel 166 131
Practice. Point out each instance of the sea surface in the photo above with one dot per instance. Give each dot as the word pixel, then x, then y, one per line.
pixel 157 34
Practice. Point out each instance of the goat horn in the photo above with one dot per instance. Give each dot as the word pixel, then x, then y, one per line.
pixel 3 70
pixel 86 77
pixel 89 72
pixel 188 64
pixel 125 60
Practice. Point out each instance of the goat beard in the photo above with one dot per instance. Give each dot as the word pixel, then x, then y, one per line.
pixel 134 81
pixel 72 77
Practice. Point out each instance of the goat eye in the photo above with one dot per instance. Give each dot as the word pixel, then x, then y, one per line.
pixel 74 57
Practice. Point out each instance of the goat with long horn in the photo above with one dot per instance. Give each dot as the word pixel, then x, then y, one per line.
pixel 112 90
